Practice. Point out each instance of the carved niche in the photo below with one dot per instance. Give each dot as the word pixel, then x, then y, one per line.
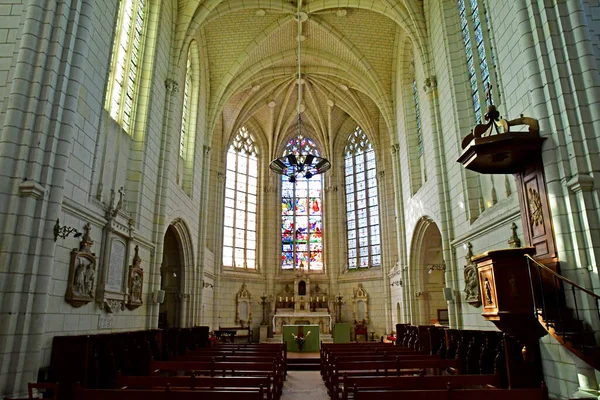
pixel 82 272
pixel 243 300
pixel 360 305
pixel 136 282
pixel 472 294
pixel 112 293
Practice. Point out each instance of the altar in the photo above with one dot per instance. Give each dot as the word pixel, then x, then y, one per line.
pixel 309 333
pixel 321 319
pixel 302 304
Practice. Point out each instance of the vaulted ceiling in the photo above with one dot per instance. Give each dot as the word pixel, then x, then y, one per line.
pixel 347 61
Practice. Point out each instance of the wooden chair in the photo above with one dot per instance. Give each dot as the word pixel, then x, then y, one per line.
pixel 359 330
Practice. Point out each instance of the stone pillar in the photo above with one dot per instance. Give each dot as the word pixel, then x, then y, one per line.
pixel 39 125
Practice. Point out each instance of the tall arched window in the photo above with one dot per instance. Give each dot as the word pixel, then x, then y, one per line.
pixel 478 51
pixel 362 210
pixel 189 117
pixel 302 215
pixel 125 63
pixel 185 115
pixel 239 233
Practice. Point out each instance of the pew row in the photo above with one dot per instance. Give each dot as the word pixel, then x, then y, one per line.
pixel 350 384
pixel 200 383
pixel 451 394
pixel 168 394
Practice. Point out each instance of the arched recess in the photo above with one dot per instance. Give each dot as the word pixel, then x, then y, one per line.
pixel 177 277
pixel 426 273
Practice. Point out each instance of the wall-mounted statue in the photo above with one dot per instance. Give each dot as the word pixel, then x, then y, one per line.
pixel 82 272
pixel 472 295
pixel 361 305
pixel 136 282
pixel 243 300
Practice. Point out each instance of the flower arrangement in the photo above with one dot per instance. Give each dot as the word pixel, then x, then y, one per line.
pixel 300 339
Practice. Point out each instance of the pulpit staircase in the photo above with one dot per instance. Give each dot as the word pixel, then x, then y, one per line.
pixel 562 322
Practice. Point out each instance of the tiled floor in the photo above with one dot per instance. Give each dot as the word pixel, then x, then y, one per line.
pixel 303 385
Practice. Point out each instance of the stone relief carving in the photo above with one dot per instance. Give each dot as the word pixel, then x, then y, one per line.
pixel 472 295
pixel 535 208
pixel 82 272
pixel 136 281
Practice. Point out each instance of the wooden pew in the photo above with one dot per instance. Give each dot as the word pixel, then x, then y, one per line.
pixel 451 394
pixel 398 367
pixel 418 382
pixel 117 394
pixel 215 368
pixel 199 382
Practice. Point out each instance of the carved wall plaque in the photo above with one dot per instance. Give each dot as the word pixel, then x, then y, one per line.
pixel 116 265
pixel 82 272
pixel 136 282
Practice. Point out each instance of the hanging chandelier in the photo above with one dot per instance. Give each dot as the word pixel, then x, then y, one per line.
pixel 299 165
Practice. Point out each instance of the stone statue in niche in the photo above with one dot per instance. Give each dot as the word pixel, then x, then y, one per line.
pixel 136 281
pixel 472 295
pixel 82 272
pixel 360 305
pixel 243 306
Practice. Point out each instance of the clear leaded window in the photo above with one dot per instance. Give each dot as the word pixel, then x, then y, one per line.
pixel 478 51
pixel 418 116
pixel 185 116
pixel 302 215
pixel 125 62
pixel 362 210
pixel 239 234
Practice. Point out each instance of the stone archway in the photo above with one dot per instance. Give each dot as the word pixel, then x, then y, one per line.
pixel 427 275
pixel 176 277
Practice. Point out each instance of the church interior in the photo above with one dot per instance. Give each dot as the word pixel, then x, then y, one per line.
pixel 334 170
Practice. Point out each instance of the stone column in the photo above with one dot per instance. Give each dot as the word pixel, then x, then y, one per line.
pixel 35 141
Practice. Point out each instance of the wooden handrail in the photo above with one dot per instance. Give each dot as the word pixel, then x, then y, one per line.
pixel 559 276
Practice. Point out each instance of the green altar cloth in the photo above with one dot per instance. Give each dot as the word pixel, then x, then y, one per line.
pixel 341 332
pixel 311 343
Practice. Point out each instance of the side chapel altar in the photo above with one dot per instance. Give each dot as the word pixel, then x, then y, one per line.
pixel 302 306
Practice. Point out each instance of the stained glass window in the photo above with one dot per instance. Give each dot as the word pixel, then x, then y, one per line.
pixel 418 116
pixel 301 215
pixel 362 202
pixel 476 52
pixel 239 232
pixel 126 61
pixel 186 109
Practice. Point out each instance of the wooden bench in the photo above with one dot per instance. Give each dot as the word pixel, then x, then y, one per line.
pixel 219 368
pixel 451 394
pixel 194 383
pixel 350 384
pixel 339 370
pixel 168 394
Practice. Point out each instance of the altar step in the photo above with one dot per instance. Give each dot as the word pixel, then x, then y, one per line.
pixel 304 364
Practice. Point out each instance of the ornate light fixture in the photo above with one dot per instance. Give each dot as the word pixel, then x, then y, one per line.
pixel 293 165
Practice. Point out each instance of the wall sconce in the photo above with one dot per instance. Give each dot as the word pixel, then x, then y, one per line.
pixel 436 267
pixel 207 285
pixel 396 283
pixel 64 231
